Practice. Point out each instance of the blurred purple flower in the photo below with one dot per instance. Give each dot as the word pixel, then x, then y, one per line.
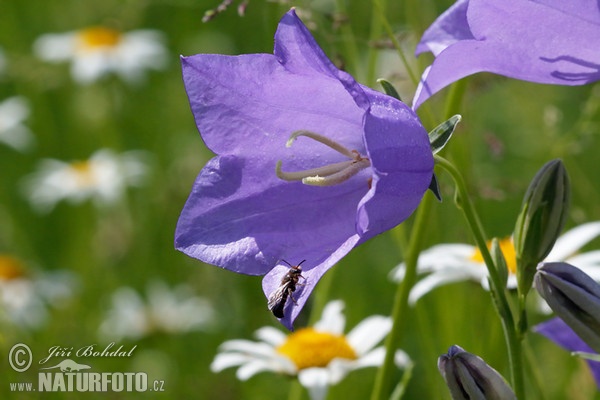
pixel 560 333
pixel 546 41
pixel 244 216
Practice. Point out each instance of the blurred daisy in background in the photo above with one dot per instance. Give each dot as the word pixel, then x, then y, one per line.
pixel 13 112
pixel 449 263
pixel 164 310
pixel 97 51
pixel 103 178
pixel 26 296
pixel 320 356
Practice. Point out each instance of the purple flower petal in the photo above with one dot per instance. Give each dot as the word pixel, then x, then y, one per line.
pixel 504 40
pixel 560 333
pixel 240 215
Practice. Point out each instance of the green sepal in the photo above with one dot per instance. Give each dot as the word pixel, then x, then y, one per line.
pixel 389 89
pixel 435 187
pixel 441 134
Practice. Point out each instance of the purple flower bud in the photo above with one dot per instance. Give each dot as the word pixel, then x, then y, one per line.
pixel 574 297
pixel 468 377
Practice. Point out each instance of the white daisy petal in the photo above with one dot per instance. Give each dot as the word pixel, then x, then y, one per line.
pixel 468 272
pixel 332 320
pixel 573 240
pixel 368 333
pixel 436 258
pixel 227 360
pixel 338 368
pixel 316 381
pixel 55 47
pixel 13 132
pixel 588 262
pixel 253 367
pixel 247 346
pixel 270 335
pixel 374 358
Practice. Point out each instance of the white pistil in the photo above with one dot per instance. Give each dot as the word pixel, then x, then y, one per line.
pixel 327 175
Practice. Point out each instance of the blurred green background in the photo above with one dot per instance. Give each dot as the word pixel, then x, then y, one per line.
pixel 509 130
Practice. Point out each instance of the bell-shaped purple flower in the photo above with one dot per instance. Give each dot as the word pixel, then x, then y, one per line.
pixel 547 41
pixel 309 163
pixel 560 333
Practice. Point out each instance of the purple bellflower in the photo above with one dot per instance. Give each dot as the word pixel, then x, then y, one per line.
pixel 560 333
pixel 309 163
pixel 543 41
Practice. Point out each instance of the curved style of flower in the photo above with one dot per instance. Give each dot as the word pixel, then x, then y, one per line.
pixel 13 111
pixel 309 163
pixel 26 296
pixel 103 178
pixel 560 333
pixel 320 356
pixel 96 51
pixel 449 263
pixel 165 310
pixel 515 38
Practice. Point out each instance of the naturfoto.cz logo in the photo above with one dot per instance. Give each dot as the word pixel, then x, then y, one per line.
pixel 71 376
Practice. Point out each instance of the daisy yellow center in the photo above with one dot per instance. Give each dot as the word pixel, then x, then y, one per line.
pixel 10 268
pixel 83 173
pixel 98 36
pixel 508 249
pixel 310 348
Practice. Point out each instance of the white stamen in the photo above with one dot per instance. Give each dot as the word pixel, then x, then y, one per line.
pixel 323 139
pixel 327 175
pixel 338 177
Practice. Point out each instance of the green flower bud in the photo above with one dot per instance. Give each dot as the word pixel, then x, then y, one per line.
pixel 542 218
pixel 574 297
pixel 469 378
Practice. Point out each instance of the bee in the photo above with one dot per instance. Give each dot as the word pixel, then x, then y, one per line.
pixel 279 297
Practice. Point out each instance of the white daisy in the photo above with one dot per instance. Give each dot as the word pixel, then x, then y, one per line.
pixel 97 51
pixel 169 311
pixel 25 296
pixel 102 178
pixel 448 263
pixel 13 112
pixel 320 356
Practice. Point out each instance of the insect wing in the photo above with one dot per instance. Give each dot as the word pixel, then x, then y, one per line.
pixel 277 301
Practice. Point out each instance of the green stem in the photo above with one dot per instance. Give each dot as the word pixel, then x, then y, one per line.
pixel 351 51
pixel 381 13
pixel 512 338
pixel 374 35
pixel 381 390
